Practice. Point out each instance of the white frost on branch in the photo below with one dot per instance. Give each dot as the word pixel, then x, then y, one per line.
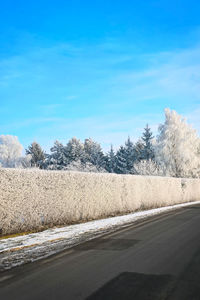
pixel 11 153
pixel 84 167
pixel 10 150
pixel 177 149
pixel 147 167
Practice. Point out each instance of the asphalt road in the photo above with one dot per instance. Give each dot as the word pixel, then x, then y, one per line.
pixel 159 259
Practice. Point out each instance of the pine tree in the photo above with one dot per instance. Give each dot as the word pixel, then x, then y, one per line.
pixel 130 155
pixel 138 151
pixel 125 158
pixel 121 162
pixel 74 150
pixel 111 161
pixel 58 158
pixel 147 151
pixel 94 153
pixel 37 154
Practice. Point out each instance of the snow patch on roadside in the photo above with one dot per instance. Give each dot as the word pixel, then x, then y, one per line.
pixel 15 251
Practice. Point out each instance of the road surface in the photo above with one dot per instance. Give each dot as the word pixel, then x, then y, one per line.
pixel 158 259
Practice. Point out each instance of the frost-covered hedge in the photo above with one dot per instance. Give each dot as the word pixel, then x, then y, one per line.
pixel 32 199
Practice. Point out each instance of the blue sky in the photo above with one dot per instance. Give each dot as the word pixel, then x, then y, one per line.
pixel 99 69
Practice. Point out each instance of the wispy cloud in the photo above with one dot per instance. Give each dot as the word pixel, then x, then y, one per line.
pixel 104 91
pixel 174 74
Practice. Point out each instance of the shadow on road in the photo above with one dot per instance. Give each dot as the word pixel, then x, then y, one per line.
pixel 139 286
pixel 130 285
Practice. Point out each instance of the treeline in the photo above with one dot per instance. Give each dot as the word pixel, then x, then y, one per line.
pixel 174 152
pixel 89 156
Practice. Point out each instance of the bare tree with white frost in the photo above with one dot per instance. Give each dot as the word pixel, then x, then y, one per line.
pixel 147 167
pixel 11 153
pixel 10 150
pixel 177 149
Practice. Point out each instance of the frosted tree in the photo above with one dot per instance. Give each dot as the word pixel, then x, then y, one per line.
pixel 111 161
pixel 147 167
pixel 138 150
pixel 83 167
pixel 57 160
pixel 75 165
pixel 64 157
pixel 23 162
pixel 130 155
pixel 125 158
pixel 37 154
pixel 89 167
pixel 177 149
pixel 10 150
pixel 74 150
pixel 121 162
pixel 94 153
pixel 147 137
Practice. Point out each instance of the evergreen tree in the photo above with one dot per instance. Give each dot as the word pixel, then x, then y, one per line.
pixel 37 154
pixel 138 151
pixel 130 155
pixel 121 162
pixel 94 153
pixel 147 151
pixel 74 150
pixel 125 158
pixel 111 161
pixel 58 158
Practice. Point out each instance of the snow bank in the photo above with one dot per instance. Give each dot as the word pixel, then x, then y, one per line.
pixel 16 251
pixel 32 199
